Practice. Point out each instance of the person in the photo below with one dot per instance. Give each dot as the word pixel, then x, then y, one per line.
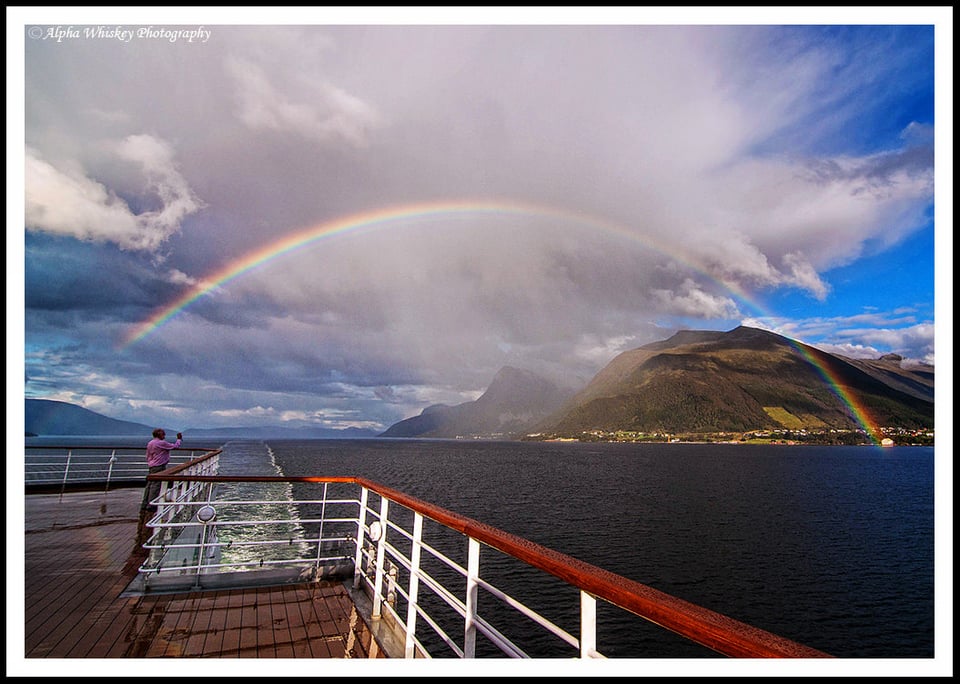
pixel 158 456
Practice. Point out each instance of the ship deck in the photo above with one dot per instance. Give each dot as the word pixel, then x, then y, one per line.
pixel 80 556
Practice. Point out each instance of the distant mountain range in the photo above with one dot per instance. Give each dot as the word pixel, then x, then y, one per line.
pixel 514 401
pixel 697 382
pixel 55 418
pixel 277 432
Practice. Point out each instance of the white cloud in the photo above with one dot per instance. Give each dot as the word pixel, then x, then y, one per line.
pixel 805 276
pixel 178 277
pixel 327 113
pixel 68 202
pixel 733 258
pixel 256 412
pixel 868 335
pixel 597 352
pixel 761 215
pixel 851 350
pixel 156 160
pixel 693 301
pixel 915 341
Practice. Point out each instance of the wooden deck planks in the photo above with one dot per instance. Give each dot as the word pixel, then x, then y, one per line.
pixel 299 643
pixel 77 564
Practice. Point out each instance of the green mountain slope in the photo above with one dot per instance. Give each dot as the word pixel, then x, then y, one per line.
pixel 741 380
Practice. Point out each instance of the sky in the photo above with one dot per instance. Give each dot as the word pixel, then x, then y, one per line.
pixel 338 220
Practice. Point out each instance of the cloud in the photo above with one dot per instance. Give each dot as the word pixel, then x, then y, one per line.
pixel 68 202
pixel 713 163
pixel 155 159
pixel 324 112
pixel 598 352
pixel 775 222
pixel 387 394
pixel 915 342
pixel 75 205
pixel 692 301
pixel 867 335
pixel 805 276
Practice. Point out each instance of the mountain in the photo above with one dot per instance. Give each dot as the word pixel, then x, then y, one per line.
pixel 53 418
pixel 515 401
pixel 276 432
pixel 917 380
pixel 695 382
pixel 49 418
pixel 741 380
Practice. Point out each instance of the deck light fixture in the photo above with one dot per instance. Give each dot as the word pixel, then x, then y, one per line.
pixel 206 514
pixel 376 531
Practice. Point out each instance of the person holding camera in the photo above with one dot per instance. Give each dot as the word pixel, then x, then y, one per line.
pixel 158 456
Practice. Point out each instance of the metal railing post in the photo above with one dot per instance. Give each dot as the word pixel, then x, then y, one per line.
pixel 66 466
pixel 162 493
pixel 66 470
pixel 323 516
pixel 361 521
pixel 381 550
pixel 408 651
pixel 201 552
pixel 470 625
pixel 113 459
pixel 165 506
pixel 207 531
pixel 588 625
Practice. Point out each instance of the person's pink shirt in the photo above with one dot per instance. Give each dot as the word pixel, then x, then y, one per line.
pixel 158 452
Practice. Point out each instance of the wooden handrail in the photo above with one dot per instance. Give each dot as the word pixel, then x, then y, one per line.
pixel 703 626
pixel 186 464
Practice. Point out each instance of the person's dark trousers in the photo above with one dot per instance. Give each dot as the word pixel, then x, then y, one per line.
pixel 152 489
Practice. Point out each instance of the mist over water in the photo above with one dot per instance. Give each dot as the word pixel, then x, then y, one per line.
pixel 828 546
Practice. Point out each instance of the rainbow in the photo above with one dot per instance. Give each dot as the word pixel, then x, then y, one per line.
pixel 387 216
pixel 384 217
pixel 857 408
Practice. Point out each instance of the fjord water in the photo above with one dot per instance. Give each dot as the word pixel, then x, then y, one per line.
pixel 832 547
pixel 829 546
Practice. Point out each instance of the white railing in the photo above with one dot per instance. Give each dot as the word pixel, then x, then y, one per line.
pixel 390 573
pixel 194 533
pixel 205 541
pixel 47 466
pixel 401 554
